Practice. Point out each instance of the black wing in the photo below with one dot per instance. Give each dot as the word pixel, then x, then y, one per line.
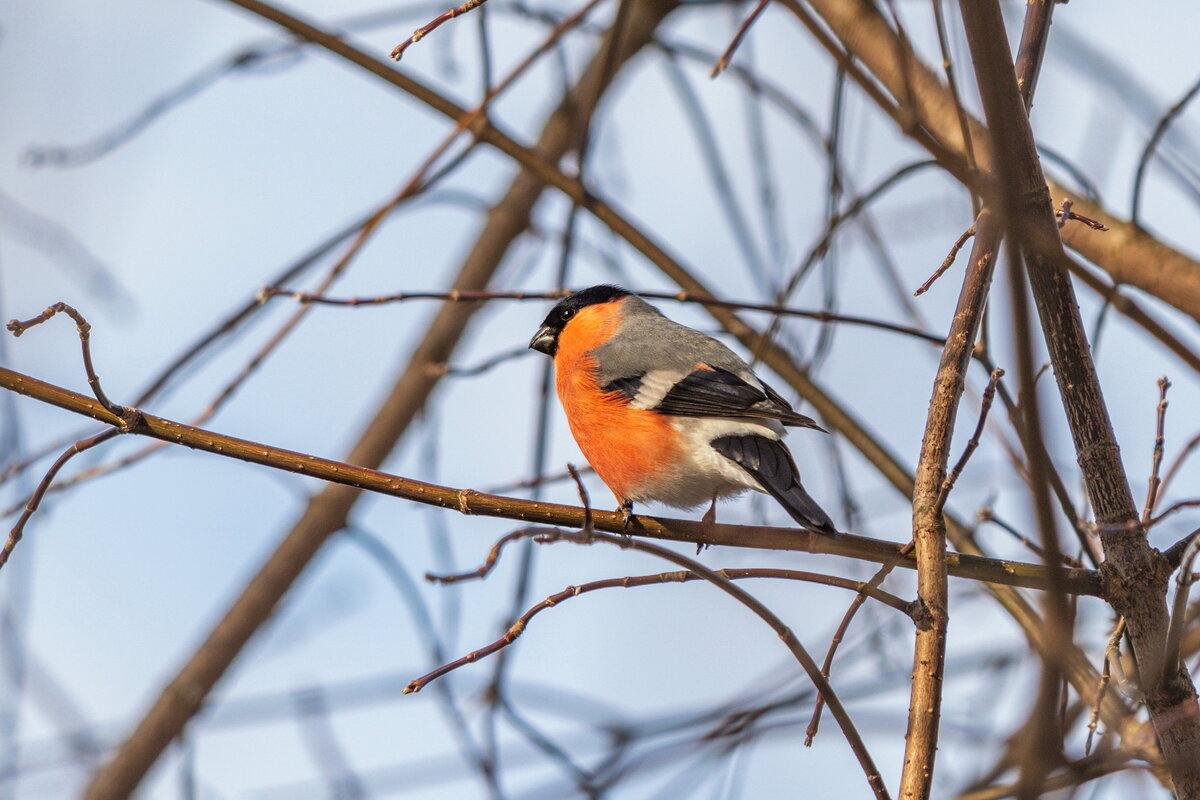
pixel 626 386
pixel 716 392
pixel 772 466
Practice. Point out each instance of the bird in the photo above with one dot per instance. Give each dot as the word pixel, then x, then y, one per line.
pixel 666 413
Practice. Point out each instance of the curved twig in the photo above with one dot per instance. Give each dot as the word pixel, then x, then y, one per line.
pixel 18 530
pixel 701 572
pixel 1160 129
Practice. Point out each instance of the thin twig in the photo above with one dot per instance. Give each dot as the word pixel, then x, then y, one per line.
pixel 633 581
pixel 269 292
pixel 1112 653
pixel 540 480
pixel 1157 519
pixel 834 223
pixel 1156 460
pixel 949 260
pixel 1065 214
pixel 17 327
pixel 964 123
pixel 987 514
pixel 727 56
pixel 1152 144
pixel 1184 580
pixel 985 405
pixel 488 564
pixel 18 530
pixel 712 576
pixel 1187 450
pixel 839 634
pixel 420 33
pixel 584 500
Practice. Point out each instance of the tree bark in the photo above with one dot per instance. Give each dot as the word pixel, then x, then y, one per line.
pixel 1135 574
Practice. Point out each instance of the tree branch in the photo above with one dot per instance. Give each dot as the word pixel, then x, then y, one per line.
pixel 470 502
pixel 1126 252
pixel 1135 574
pixel 932 482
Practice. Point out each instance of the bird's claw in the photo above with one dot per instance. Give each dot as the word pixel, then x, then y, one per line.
pixel 709 518
pixel 627 515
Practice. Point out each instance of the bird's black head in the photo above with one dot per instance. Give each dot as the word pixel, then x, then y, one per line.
pixel 546 339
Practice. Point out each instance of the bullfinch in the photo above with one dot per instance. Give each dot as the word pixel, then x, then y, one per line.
pixel 665 413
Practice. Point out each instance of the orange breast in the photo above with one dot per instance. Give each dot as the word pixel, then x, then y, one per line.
pixel 628 447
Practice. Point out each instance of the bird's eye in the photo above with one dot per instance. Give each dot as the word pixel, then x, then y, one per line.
pixel 566 314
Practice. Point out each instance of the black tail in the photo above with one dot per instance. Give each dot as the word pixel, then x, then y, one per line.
pixel 769 461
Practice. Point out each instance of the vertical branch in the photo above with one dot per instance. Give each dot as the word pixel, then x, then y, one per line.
pixel 929 523
pixel 1135 574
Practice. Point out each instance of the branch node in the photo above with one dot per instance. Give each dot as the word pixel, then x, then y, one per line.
pixel 1064 214
pixel 84 328
pixel 464 501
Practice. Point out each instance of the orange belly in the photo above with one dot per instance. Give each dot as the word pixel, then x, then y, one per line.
pixel 629 448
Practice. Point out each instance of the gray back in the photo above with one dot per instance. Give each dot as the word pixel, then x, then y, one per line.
pixel 650 341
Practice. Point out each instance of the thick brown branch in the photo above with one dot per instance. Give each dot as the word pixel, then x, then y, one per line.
pixel 1126 252
pixel 1135 574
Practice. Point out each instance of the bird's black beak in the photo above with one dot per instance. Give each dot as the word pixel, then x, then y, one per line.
pixel 544 341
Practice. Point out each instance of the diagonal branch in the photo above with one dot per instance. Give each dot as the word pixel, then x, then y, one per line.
pixel 328 511
pixel 1126 252
pixel 31 505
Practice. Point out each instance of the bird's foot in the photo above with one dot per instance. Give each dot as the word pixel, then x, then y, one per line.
pixel 626 509
pixel 709 518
